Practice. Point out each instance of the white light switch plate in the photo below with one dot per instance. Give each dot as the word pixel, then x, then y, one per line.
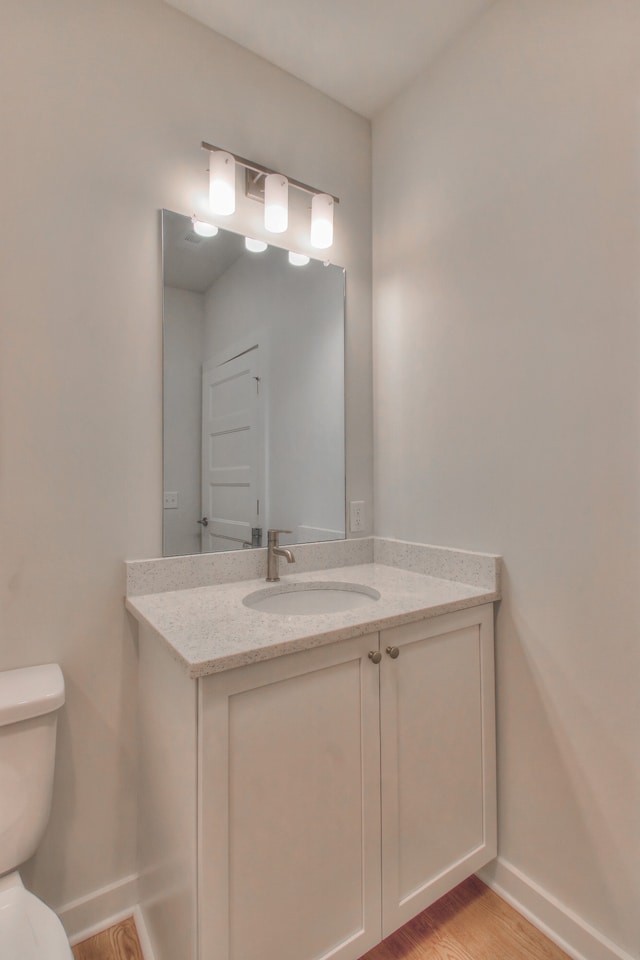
pixel 171 500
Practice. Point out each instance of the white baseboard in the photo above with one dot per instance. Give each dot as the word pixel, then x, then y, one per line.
pixel 101 909
pixel 569 931
pixel 143 936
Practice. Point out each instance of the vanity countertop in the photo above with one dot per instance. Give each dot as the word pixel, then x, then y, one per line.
pixel 209 629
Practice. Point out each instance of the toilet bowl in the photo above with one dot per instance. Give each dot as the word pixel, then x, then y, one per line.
pixel 29 930
pixel 29 699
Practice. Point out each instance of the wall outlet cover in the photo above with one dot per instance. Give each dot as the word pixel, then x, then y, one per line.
pixel 356 516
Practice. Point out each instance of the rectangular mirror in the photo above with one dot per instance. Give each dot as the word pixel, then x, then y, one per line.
pixel 253 375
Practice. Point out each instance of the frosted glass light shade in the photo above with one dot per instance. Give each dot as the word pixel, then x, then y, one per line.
pixel 222 183
pixel 276 203
pixel 322 221
pixel 298 259
pixel 255 246
pixel 203 229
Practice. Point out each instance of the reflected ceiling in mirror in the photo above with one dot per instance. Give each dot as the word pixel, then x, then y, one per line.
pixel 253 376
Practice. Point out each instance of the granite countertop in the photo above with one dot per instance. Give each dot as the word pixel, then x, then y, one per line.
pixel 209 629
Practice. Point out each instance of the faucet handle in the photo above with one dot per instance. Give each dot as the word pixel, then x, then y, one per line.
pixel 272 536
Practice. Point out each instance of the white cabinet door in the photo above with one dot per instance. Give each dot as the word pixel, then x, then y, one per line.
pixel 438 759
pixel 289 807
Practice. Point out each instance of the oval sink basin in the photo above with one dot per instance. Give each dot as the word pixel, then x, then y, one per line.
pixel 308 598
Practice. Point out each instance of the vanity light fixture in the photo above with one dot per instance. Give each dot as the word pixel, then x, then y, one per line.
pixel 203 229
pixel 255 246
pixel 222 183
pixel 322 221
pixel 276 203
pixel 298 259
pixel 265 184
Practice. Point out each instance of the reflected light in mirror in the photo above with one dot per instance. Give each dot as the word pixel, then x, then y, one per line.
pixel 298 259
pixel 203 229
pixel 255 246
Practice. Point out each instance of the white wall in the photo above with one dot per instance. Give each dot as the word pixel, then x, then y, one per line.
pixel 104 109
pixel 506 335
pixel 296 314
pixel 183 316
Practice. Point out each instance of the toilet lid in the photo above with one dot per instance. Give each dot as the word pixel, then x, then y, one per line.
pixel 29 930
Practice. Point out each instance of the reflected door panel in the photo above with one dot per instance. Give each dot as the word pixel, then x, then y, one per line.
pixel 230 452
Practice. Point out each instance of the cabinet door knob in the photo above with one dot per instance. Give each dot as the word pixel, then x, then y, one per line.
pixel 375 656
pixel 393 652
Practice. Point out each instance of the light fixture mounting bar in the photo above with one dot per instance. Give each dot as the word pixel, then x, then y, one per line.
pixel 258 168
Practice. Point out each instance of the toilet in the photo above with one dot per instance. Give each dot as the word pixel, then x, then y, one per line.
pixel 29 699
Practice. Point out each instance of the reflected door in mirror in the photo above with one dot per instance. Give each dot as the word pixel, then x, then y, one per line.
pixel 231 446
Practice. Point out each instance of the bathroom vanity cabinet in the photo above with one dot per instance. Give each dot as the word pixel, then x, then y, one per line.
pixel 306 806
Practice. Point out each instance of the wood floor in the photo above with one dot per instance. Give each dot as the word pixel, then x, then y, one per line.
pixel 116 943
pixel 470 923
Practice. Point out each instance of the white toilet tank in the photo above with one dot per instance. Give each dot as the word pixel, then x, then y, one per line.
pixel 29 698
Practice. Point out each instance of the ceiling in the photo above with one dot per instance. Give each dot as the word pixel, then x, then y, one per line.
pixel 192 262
pixel 360 52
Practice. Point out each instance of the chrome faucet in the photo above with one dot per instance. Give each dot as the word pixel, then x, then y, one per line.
pixel 273 552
